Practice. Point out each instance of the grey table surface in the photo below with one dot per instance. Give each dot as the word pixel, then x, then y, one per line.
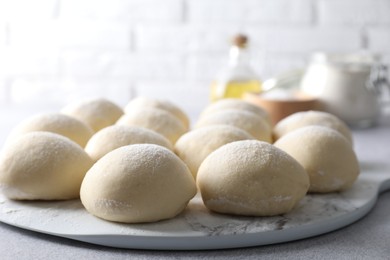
pixel 368 238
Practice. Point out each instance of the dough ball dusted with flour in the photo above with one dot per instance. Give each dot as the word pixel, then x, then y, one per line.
pixel 95 112
pixel 251 178
pixel 306 118
pixel 61 124
pixel 247 121
pixel 237 104
pixel 194 146
pixel 155 119
pixel 140 102
pixel 326 155
pixel 115 136
pixel 42 166
pixel 137 183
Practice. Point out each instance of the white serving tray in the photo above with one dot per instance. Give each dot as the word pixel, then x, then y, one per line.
pixel 197 228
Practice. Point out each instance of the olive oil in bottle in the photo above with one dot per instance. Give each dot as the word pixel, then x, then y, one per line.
pixel 238 77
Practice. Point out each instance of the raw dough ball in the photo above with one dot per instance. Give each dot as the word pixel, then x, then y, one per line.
pixel 137 183
pixel 233 103
pixel 97 113
pixel 116 136
pixel 245 120
pixel 42 166
pixel 325 154
pixel 161 104
pixel 194 146
pixel 251 178
pixel 155 119
pixel 61 124
pixel 306 118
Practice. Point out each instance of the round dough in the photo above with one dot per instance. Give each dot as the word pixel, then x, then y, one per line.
pixel 161 104
pixel 251 178
pixel 61 124
pixel 194 146
pixel 97 113
pixel 116 136
pixel 155 119
pixel 245 120
pixel 137 183
pixel 325 154
pixel 306 118
pixel 42 166
pixel 238 104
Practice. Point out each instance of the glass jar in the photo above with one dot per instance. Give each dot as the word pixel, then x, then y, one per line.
pixel 350 86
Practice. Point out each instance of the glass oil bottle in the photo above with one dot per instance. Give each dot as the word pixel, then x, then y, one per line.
pixel 237 77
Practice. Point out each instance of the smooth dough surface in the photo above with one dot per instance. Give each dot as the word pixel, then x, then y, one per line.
pixel 155 119
pixel 325 154
pixel 248 121
pixel 306 118
pixel 161 104
pixel 61 124
pixel 42 166
pixel 194 146
pixel 137 183
pixel 115 136
pixel 251 178
pixel 97 112
pixel 238 104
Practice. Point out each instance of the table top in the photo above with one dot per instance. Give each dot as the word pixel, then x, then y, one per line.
pixel 367 238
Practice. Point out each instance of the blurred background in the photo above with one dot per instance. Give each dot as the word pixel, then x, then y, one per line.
pixel 55 51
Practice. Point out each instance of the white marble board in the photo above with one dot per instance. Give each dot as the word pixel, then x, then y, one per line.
pixel 197 228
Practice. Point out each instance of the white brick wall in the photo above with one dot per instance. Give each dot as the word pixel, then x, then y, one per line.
pixel 3 34
pixel 17 10
pixel 146 11
pixel 354 12
pixel 18 61
pixel 380 39
pixel 305 39
pixel 250 11
pixel 98 63
pixel 72 33
pixel 66 49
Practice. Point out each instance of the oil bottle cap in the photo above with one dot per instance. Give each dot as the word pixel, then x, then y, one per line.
pixel 240 40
